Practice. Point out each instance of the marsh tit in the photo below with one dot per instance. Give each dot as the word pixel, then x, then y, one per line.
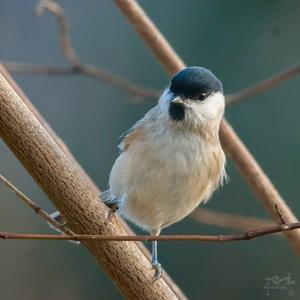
pixel 171 160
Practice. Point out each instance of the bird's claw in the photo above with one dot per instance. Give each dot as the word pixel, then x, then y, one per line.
pixel 158 271
pixel 112 211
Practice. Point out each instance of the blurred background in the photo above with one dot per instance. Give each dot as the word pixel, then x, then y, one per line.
pixel 241 43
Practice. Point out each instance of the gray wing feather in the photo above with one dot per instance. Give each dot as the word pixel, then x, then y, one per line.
pixel 105 196
pixel 122 139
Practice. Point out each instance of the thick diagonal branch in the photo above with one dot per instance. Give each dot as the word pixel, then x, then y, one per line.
pixel 82 172
pixel 233 146
pixel 76 198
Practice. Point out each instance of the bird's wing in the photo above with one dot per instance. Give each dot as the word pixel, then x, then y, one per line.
pixel 139 129
pixel 128 137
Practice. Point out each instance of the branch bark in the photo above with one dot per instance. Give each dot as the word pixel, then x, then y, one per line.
pixel 76 198
pixel 232 145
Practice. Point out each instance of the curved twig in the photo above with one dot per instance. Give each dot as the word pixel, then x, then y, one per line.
pixel 76 65
pixel 15 67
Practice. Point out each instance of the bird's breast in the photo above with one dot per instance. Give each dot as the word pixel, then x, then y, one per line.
pixel 162 179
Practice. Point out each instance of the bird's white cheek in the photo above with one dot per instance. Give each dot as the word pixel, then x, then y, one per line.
pixel 211 108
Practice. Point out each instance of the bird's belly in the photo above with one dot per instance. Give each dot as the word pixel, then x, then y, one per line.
pixel 159 193
pixel 159 183
pixel 156 204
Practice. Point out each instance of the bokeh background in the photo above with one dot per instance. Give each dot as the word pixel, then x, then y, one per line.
pixel 242 42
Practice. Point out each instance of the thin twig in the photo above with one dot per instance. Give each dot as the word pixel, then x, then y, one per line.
pixel 64 34
pixel 233 98
pixel 76 65
pixel 228 220
pixel 138 92
pixel 73 59
pixel 263 85
pixel 15 67
pixel 246 235
pixel 37 209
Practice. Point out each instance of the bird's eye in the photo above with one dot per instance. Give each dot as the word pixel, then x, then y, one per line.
pixel 202 96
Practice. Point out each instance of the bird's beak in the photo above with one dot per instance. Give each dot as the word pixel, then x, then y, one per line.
pixel 178 100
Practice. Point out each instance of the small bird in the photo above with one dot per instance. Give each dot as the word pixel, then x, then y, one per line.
pixel 171 160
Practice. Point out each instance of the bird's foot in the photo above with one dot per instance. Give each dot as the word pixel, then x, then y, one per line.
pixel 158 270
pixel 113 207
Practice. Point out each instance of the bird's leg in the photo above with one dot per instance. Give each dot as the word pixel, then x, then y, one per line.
pixel 155 264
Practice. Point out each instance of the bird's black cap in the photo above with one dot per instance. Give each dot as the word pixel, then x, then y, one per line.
pixel 195 83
